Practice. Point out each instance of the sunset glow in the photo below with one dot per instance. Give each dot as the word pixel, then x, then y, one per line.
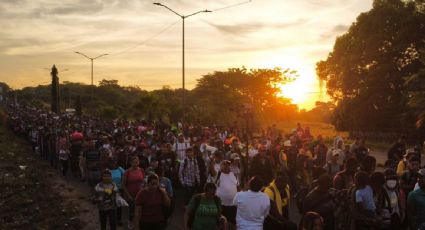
pixel 144 41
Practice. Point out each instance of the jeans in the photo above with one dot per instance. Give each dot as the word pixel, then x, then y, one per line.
pixel 105 215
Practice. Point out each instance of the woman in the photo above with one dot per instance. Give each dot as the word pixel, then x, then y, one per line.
pixel 117 175
pixel 150 202
pixel 204 210
pixel 311 221
pixel 132 182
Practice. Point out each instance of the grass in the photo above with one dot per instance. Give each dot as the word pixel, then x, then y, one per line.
pixel 329 132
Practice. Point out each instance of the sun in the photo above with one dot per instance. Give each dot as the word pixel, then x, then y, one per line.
pixel 304 90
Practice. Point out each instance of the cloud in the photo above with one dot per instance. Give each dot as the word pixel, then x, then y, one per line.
pixel 336 30
pixel 251 27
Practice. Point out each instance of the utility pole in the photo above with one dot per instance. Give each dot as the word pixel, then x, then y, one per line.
pixel 183 17
pixel 91 60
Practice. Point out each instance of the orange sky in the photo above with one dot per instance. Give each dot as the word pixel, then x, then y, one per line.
pixel 144 40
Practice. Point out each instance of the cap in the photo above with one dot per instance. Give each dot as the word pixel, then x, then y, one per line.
pixel 234 156
pixel 421 172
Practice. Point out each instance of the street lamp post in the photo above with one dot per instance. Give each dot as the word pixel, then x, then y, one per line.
pixel 183 17
pixel 91 59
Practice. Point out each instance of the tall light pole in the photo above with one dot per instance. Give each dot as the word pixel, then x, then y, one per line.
pixel 91 59
pixel 183 17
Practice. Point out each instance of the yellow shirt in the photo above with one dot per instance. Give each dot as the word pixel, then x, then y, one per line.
pixel 401 167
pixel 276 195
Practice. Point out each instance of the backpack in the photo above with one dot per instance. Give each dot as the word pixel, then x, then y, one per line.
pixel 217 180
pixel 197 199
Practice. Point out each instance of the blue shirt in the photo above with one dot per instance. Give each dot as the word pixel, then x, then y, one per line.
pixel 365 196
pixel 117 176
pixel 166 183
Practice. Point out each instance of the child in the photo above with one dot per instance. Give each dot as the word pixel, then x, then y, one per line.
pixel 106 192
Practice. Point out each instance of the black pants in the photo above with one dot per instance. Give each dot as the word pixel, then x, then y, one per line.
pixel 152 226
pixel 105 215
pixel 188 193
pixel 64 164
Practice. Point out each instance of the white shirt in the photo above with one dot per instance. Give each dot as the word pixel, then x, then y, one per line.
pixel 227 187
pixel 252 209
pixel 180 149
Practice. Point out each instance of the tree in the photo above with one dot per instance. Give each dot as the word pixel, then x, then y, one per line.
pixel 55 106
pixel 365 73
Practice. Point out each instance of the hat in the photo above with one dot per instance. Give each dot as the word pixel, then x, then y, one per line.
pixel 335 153
pixel 421 172
pixel 287 143
pixel 234 156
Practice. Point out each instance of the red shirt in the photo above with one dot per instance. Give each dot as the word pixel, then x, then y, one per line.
pixel 134 180
pixel 151 202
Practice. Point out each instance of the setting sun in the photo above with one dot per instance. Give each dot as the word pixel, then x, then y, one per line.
pixel 304 90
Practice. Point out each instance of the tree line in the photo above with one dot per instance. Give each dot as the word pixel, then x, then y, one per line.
pixel 375 73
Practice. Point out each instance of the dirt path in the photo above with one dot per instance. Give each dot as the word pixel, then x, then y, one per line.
pixel 33 195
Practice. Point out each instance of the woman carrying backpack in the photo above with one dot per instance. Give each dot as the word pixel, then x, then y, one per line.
pixel 204 210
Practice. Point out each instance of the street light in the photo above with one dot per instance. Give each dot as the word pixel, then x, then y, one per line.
pixel 183 17
pixel 91 59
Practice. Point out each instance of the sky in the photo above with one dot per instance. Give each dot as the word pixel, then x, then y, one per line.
pixel 144 41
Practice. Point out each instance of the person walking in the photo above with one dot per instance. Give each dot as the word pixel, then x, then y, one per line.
pixel 106 192
pixel 189 175
pixel 204 210
pixel 150 202
pixel 132 182
pixel 227 187
pixel 252 206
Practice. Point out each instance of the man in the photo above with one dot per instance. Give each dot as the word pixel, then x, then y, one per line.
pixel 332 167
pixel 252 206
pixel 320 151
pixel 345 178
pixel 416 204
pixel 91 158
pixel 410 177
pixel 279 195
pixel 361 151
pixel 262 167
pixel 181 147
pixel 189 175
pixel 227 187
pixel 397 150
pixel 321 201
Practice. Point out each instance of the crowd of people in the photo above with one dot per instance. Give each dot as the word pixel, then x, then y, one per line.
pixel 229 179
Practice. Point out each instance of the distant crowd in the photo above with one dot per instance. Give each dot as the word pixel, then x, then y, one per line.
pixel 227 177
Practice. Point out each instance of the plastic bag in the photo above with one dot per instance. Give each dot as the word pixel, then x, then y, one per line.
pixel 120 201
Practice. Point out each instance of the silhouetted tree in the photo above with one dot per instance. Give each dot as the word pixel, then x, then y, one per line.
pixel 55 106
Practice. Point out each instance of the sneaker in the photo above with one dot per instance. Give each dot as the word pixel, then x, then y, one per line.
pixel 130 225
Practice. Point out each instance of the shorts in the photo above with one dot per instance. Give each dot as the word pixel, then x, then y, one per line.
pixel 230 213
